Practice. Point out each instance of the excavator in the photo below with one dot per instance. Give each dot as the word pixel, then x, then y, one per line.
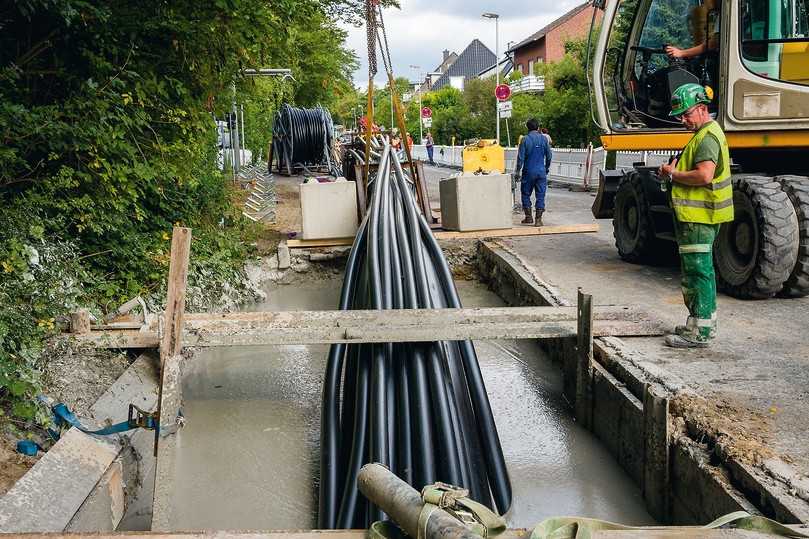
pixel 753 58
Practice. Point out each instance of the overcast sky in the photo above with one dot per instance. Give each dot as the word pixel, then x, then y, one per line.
pixel 423 28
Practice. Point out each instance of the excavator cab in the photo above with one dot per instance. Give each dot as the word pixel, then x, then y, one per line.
pixel 753 58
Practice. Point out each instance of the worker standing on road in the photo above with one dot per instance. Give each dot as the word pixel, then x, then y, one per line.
pixel 533 161
pixel 702 199
pixel 429 145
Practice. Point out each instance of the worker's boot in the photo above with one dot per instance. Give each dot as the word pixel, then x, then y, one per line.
pixel 687 340
pixel 529 219
pixel 538 220
pixel 691 327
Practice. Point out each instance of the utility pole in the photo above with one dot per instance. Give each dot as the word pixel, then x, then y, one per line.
pixel 235 145
pixel 496 18
pixel 421 134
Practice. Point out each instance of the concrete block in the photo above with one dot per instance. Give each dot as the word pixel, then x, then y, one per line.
pixel 470 202
pixel 284 260
pixel 329 210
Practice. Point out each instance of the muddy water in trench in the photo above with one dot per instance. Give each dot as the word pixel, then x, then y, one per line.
pixel 248 455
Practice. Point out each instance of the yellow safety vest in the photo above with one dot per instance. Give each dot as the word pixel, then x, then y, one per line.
pixel 712 203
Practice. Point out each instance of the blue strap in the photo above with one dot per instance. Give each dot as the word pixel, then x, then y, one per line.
pixel 64 417
pixel 28 447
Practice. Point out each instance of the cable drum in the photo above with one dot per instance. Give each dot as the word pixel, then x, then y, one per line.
pixel 303 139
pixel 421 409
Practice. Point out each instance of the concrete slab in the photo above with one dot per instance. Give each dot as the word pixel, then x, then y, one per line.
pixel 81 483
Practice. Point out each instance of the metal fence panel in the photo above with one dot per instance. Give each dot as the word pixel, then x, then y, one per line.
pixel 569 165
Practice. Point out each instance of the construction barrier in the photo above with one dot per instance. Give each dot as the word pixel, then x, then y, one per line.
pixel 575 166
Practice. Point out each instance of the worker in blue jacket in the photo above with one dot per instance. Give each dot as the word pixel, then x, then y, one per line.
pixel 533 164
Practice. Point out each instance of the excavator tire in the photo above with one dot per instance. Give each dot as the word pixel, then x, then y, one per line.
pixel 756 253
pixel 797 189
pixel 631 224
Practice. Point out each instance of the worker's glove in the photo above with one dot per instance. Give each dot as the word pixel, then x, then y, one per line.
pixel 517 176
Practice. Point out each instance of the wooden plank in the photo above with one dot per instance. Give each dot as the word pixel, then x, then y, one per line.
pixel 171 342
pixel 166 449
pixel 518 231
pixel 473 234
pixel 406 325
pixel 80 321
pixel 517 533
pixel 656 465
pixel 584 359
pixel 328 242
pixel 680 533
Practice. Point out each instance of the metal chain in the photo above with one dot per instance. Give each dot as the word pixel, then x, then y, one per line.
pixel 383 45
pixel 370 16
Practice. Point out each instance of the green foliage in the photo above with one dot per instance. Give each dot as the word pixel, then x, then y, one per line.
pixel 40 278
pixel 108 141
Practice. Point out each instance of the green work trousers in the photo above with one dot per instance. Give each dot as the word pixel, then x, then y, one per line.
pixel 695 242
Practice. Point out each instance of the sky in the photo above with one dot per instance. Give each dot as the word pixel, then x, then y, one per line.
pixel 422 29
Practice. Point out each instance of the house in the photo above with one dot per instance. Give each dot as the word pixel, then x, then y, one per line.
pixel 548 44
pixel 506 67
pixel 448 59
pixel 476 57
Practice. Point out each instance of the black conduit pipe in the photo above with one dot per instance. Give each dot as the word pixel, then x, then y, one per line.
pixel 420 408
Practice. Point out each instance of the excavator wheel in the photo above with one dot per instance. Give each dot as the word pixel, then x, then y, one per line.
pixel 756 253
pixel 632 225
pixel 797 189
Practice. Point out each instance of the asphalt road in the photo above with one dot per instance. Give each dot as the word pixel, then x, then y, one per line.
pixel 759 362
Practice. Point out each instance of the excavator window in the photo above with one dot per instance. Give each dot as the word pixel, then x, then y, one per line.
pixel 655 46
pixel 775 39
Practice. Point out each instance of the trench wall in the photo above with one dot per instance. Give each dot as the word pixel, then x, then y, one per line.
pixel 624 401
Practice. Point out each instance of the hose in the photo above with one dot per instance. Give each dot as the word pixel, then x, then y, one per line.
pixel 303 138
pixel 418 408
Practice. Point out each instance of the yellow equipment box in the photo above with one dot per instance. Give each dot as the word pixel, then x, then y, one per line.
pixel 484 155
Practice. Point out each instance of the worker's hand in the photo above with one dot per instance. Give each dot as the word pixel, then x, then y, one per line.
pixel 517 176
pixel 674 52
pixel 665 170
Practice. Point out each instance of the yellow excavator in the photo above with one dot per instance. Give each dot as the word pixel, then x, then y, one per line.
pixel 753 56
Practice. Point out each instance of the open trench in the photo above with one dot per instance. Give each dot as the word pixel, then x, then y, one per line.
pixel 247 457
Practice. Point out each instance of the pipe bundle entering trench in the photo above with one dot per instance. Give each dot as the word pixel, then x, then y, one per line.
pixel 420 409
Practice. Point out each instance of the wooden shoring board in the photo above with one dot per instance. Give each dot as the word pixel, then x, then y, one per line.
pixel 652 532
pixel 517 533
pixel 405 325
pixel 473 234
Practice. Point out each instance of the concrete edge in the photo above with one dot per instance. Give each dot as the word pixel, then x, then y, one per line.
pixel 718 484
pixel 83 482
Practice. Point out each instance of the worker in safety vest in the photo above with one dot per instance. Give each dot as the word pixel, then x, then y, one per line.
pixel 702 199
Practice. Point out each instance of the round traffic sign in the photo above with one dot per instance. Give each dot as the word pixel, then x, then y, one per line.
pixel 502 92
pixel 426 112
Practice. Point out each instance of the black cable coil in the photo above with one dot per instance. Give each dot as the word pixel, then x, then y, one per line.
pixel 420 409
pixel 302 138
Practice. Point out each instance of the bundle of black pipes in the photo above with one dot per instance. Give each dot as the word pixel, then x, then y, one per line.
pixel 421 409
pixel 302 138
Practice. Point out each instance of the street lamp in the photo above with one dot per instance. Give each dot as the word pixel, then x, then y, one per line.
pixel 421 134
pixel 496 18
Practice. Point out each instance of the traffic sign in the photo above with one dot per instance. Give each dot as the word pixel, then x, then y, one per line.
pixel 502 92
pixel 426 112
pixel 428 122
pixel 505 108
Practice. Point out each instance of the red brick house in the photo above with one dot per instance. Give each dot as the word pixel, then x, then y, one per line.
pixel 548 44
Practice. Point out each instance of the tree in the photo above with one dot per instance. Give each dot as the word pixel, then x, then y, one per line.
pixel 108 140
